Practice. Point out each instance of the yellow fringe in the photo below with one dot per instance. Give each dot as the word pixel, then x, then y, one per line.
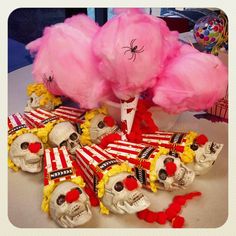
pixel 43 133
pixel 40 90
pixel 12 166
pixel 153 175
pixel 85 138
pixel 188 154
pixel 47 191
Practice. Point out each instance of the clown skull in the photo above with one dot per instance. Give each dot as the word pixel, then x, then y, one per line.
pixel 100 127
pixel 69 205
pixel 123 195
pixel 65 134
pixel 172 174
pixel 206 156
pixel 26 152
pixel 34 102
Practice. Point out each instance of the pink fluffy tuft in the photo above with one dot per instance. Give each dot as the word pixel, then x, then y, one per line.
pixel 191 81
pixel 131 73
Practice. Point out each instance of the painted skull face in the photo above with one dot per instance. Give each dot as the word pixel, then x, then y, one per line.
pixel 178 179
pixel 65 134
pixel 69 205
pixel 26 152
pixel 123 195
pixel 34 102
pixel 99 128
pixel 206 156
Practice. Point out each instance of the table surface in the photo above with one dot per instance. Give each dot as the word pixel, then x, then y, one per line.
pixel 208 211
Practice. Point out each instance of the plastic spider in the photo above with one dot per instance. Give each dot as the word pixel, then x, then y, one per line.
pixel 48 80
pixel 133 49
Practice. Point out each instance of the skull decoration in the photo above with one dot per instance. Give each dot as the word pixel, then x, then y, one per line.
pixel 69 205
pixel 34 102
pixel 26 152
pixel 65 134
pixel 99 128
pixel 123 195
pixel 180 178
pixel 206 156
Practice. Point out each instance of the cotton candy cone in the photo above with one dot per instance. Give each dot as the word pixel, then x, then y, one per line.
pixel 128 109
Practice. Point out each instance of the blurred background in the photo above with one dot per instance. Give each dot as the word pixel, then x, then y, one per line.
pixel 27 24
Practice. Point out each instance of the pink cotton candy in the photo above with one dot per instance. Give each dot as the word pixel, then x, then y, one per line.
pixel 47 53
pixel 191 81
pixel 74 66
pixel 131 73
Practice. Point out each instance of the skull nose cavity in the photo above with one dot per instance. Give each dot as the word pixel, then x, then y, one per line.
pixel 72 144
pixel 34 147
pixel 72 196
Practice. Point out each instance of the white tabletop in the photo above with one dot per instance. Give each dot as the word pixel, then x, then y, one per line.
pixel 208 211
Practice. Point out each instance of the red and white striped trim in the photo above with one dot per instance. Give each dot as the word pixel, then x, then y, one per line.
pixel 95 163
pixel 16 122
pixel 70 113
pixel 58 166
pixel 39 117
pixel 165 139
pixel 135 155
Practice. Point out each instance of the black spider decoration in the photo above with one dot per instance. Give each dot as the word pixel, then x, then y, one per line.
pixel 48 80
pixel 133 49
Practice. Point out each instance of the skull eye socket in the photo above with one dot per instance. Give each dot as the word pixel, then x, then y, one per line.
pixel 61 199
pixel 168 159
pixel 63 143
pixel 24 145
pixel 162 174
pixel 194 147
pixel 31 100
pixel 101 124
pixel 73 136
pixel 119 186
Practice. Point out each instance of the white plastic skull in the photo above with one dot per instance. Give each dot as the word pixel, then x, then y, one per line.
pixel 73 213
pixel 118 199
pixel 99 129
pixel 181 178
pixel 34 102
pixel 26 152
pixel 206 156
pixel 65 134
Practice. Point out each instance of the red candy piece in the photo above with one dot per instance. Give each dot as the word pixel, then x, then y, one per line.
pixel 175 206
pixel 192 194
pixel 181 200
pixel 201 139
pixel 150 217
pixel 171 213
pixel 34 147
pixel 109 121
pixel 178 222
pixel 72 196
pixel 130 183
pixel 170 168
pixel 142 214
pixel 161 217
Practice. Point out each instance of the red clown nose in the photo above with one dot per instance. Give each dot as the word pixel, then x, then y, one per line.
pixel 170 168
pixel 130 183
pixel 109 121
pixel 34 147
pixel 72 196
